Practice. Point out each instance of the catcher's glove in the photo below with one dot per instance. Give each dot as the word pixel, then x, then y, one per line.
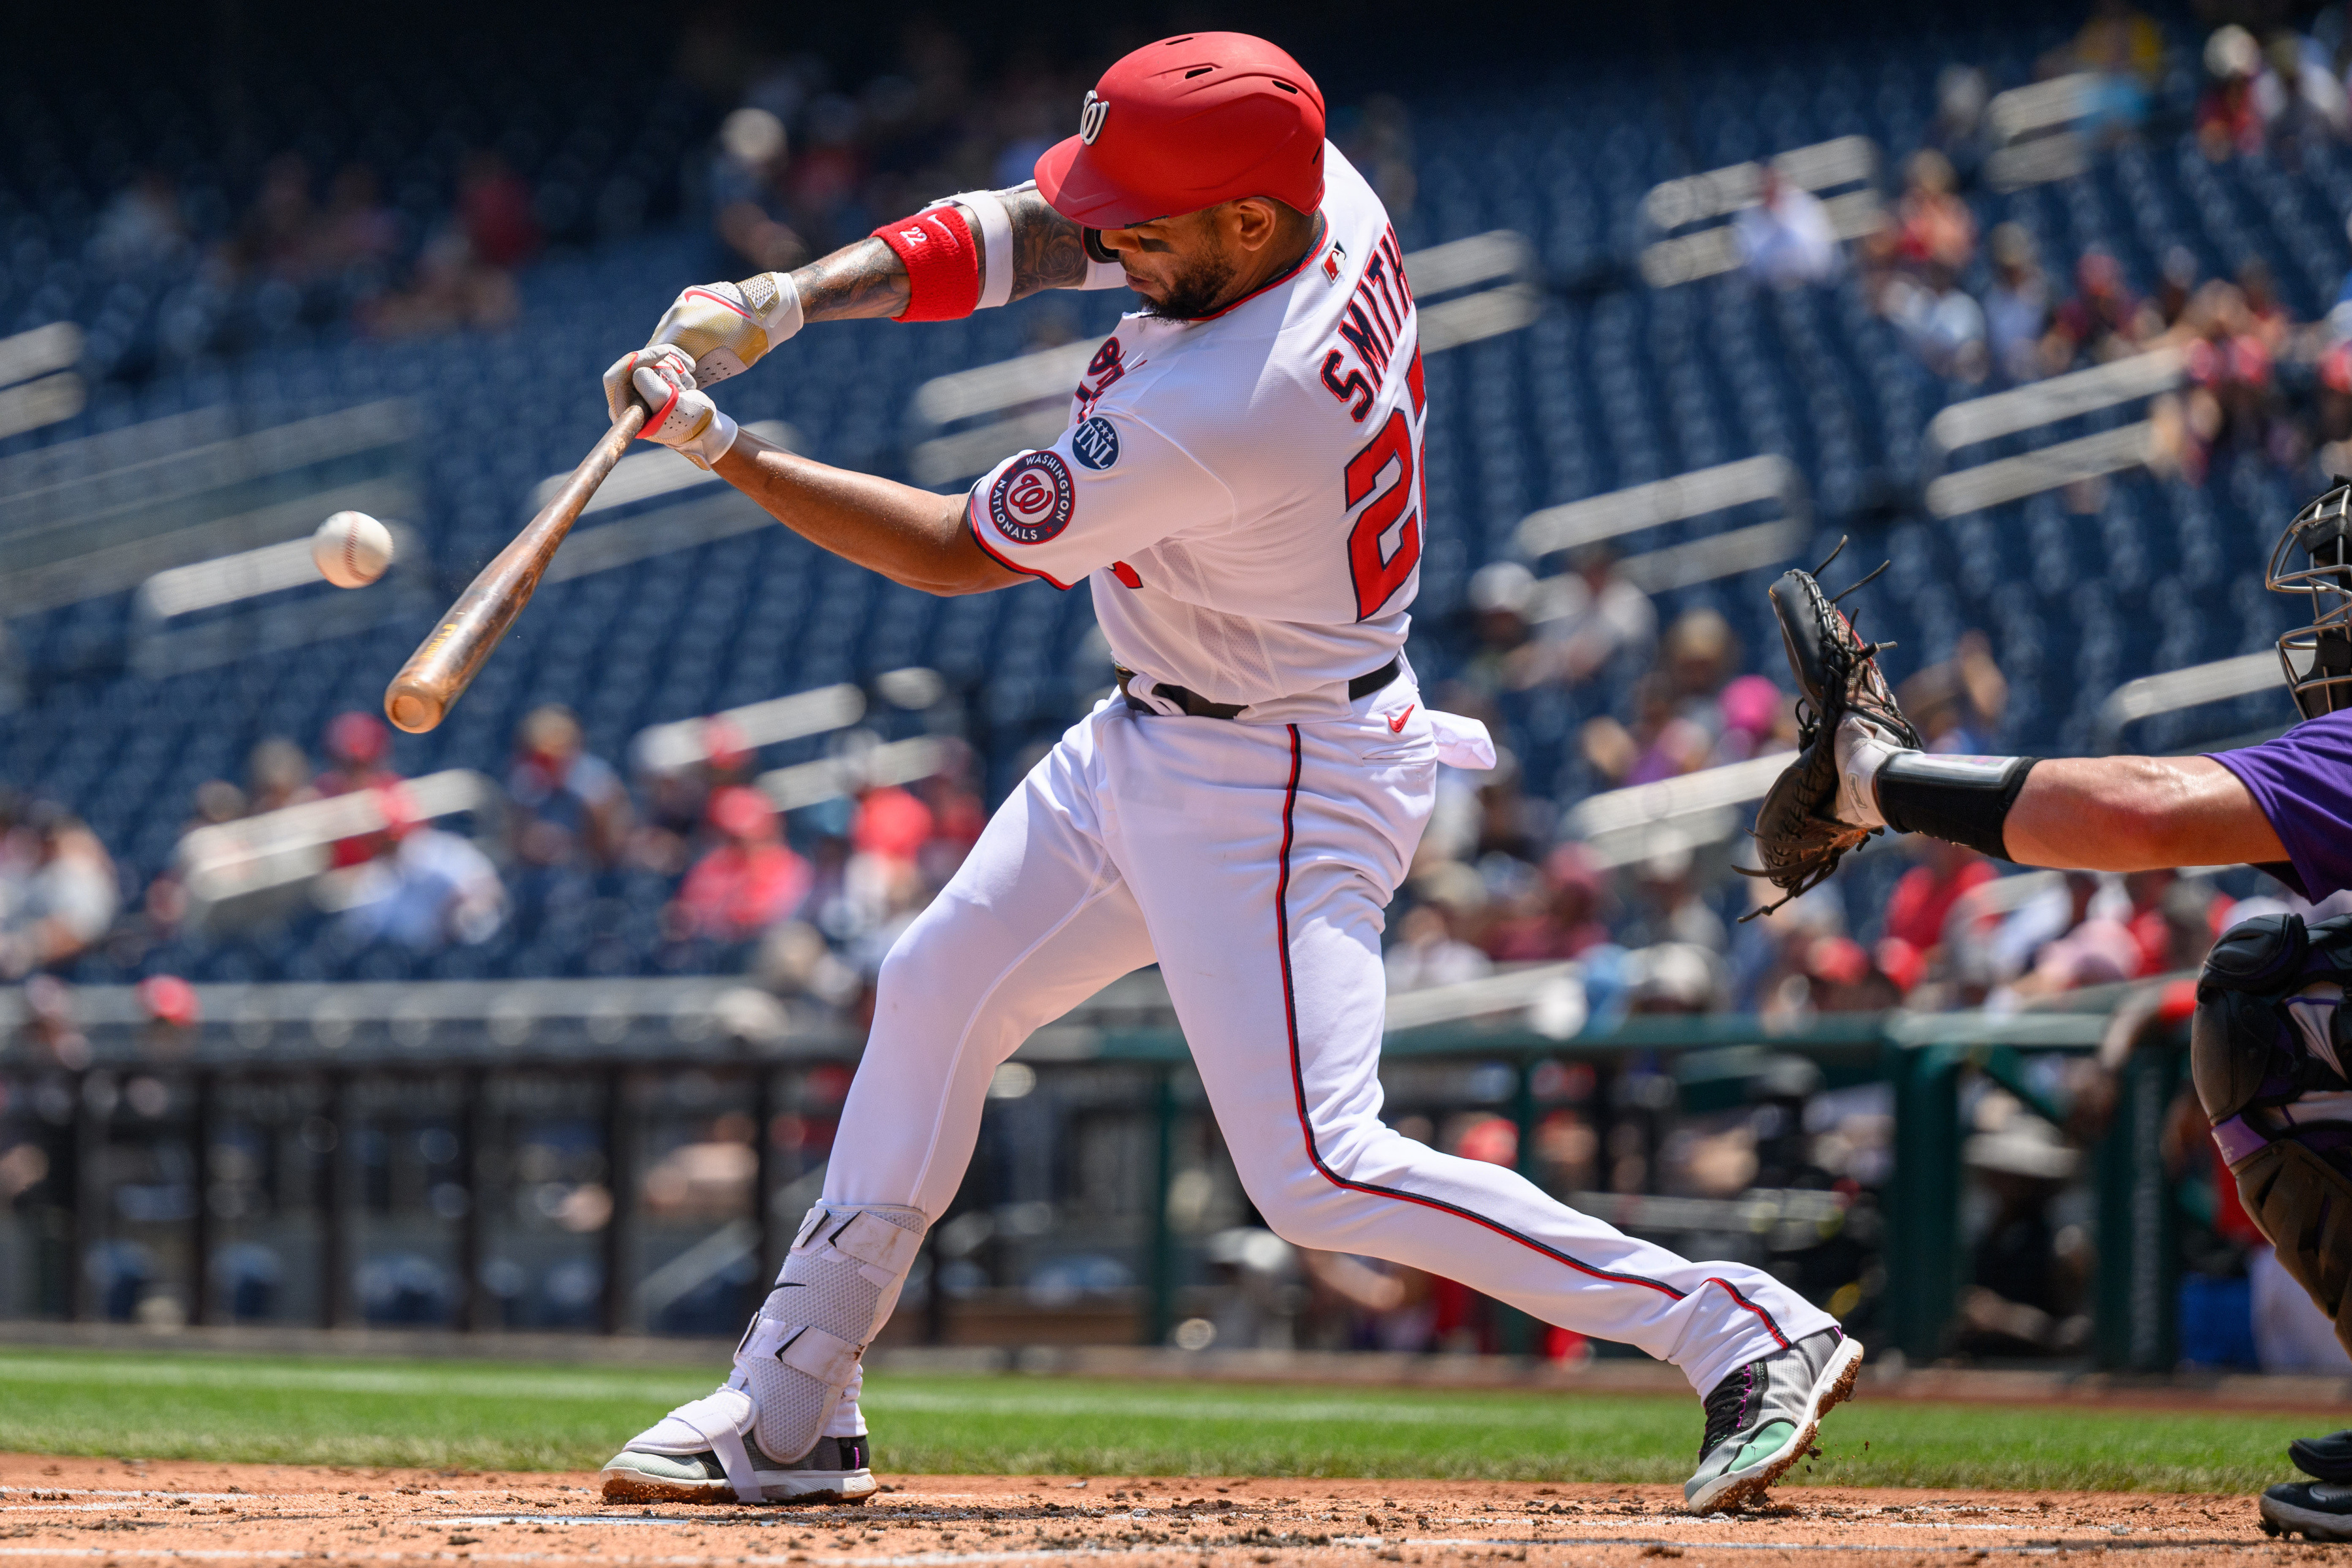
pixel 1798 834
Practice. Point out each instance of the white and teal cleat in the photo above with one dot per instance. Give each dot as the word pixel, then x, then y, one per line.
pixel 1761 1419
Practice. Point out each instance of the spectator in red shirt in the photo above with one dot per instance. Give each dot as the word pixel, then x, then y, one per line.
pixel 1556 916
pixel 957 816
pixel 891 823
pixel 1924 895
pixel 2229 119
pixel 1934 228
pixel 571 805
pixel 751 882
pixel 2100 321
pixel 358 747
pixel 495 206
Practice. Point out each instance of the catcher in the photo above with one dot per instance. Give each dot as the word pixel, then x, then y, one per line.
pixel 2271 1041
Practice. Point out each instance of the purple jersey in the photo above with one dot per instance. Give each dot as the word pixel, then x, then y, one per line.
pixel 2302 783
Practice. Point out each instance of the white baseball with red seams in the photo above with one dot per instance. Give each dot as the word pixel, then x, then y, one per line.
pixel 352 548
pixel 1244 495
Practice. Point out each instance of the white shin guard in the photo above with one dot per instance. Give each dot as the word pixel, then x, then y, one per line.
pixel 838 1284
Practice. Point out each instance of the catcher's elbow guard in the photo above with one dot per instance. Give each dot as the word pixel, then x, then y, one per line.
pixel 1961 800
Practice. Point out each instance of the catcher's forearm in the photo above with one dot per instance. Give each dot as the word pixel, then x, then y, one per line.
pixel 913 537
pixel 867 279
pixel 2137 814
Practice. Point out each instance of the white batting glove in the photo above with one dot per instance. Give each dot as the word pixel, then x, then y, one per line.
pixel 720 330
pixel 680 415
pixel 1862 747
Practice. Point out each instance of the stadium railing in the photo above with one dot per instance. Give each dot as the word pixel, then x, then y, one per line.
pixel 325 1061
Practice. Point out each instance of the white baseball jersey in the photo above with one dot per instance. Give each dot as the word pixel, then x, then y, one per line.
pixel 1245 490
pixel 1246 494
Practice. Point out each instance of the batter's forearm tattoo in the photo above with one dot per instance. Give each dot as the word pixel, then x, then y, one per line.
pixel 1049 251
pixel 865 278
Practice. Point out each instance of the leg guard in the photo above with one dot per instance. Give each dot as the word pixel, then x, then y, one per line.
pixel 840 1282
pixel 2268 1051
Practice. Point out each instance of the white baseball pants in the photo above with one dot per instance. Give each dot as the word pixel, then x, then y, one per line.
pixel 1254 863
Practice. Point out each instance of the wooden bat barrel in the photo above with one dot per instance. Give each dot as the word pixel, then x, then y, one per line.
pixel 446 661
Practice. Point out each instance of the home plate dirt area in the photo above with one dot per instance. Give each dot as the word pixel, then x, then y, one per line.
pixel 125 1511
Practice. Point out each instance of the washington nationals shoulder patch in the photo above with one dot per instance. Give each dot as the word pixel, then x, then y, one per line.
pixel 1032 500
pixel 1095 444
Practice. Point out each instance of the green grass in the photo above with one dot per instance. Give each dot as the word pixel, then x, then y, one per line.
pixel 509 1415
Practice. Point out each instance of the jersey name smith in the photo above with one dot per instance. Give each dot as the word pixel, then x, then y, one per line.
pixel 1242 493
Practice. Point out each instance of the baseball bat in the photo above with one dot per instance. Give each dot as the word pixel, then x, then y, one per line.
pixel 446 661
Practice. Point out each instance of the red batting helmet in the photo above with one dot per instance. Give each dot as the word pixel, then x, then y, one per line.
pixel 1186 123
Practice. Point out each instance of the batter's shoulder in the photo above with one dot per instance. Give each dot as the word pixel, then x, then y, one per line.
pixel 1206 400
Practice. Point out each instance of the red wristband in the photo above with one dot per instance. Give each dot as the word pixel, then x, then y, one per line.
pixel 942 264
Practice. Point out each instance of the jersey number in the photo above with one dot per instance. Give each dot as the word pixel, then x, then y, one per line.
pixel 1377 570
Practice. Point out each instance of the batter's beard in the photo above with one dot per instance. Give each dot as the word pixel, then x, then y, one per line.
pixel 1194 292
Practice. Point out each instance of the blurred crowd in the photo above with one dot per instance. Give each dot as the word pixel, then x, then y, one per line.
pixel 1990 311
pixel 1497 880
pixel 808 902
pixel 803 164
pixel 317 246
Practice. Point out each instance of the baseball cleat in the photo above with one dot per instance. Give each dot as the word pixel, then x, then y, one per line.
pixel 707 1451
pixel 2317 1510
pixel 834 1471
pixel 2330 1458
pixel 1761 1419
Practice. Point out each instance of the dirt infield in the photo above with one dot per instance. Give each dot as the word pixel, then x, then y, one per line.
pixel 118 1510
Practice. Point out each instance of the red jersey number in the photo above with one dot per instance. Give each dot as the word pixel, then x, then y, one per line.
pixel 1376 569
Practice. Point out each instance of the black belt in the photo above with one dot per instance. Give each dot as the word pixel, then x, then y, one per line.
pixel 1198 707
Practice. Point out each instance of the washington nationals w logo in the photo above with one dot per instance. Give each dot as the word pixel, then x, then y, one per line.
pixel 1091 117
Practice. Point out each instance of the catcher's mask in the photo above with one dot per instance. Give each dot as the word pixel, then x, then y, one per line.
pixel 2318 658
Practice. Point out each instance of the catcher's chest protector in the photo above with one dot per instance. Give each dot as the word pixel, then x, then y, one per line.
pixel 2268 1051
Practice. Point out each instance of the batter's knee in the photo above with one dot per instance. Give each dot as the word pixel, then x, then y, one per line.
pixel 1309 1220
pixel 1307 1203
pixel 923 979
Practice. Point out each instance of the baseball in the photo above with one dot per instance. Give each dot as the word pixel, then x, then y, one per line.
pixel 352 548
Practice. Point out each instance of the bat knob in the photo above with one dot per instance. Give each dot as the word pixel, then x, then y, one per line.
pixel 410 710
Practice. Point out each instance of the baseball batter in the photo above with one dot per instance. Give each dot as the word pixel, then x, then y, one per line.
pixel 1239 487
pixel 2271 1042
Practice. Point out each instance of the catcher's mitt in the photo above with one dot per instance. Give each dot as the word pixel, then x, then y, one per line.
pixel 1797 835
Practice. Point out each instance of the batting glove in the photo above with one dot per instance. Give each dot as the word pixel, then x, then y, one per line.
pixel 682 415
pixel 720 330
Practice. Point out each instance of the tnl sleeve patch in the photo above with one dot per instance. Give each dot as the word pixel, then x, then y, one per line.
pixel 1095 444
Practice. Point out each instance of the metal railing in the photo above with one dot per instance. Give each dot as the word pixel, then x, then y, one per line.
pixel 330 1066
pixel 1690 212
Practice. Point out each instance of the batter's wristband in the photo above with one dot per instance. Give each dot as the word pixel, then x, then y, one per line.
pixel 1961 800
pixel 988 210
pixel 942 264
